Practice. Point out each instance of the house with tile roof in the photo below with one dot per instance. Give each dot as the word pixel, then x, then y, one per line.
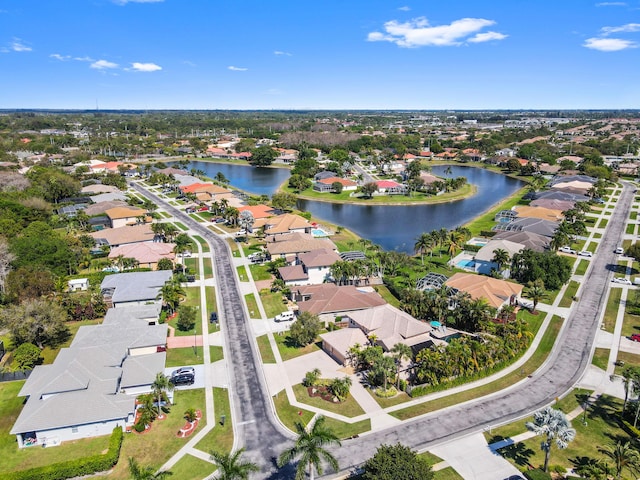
pixel 293 244
pixel 91 387
pixel 286 223
pixel 121 216
pixel 483 259
pixel 328 300
pixel 527 211
pixel 325 185
pixel 147 254
pixel 310 268
pixel 258 211
pixel 127 235
pixel 496 292
pixel 390 187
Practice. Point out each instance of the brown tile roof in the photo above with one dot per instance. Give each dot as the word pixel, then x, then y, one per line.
pixel 127 234
pixel 148 252
pixel 539 212
pixel 258 211
pixel 124 212
pixel 282 223
pixel 299 246
pixel 495 291
pixel 330 298
pixel 344 181
pixel 292 273
pixel 101 207
pixel 319 258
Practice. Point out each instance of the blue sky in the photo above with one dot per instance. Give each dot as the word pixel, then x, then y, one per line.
pixel 329 54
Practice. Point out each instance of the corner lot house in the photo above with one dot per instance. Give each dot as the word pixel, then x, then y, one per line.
pixel 91 386
pixel 134 288
pixel 496 292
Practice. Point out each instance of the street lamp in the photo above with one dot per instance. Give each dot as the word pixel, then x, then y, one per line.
pixel 585 407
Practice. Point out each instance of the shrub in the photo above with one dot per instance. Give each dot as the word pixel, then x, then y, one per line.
pixel 388 393
pixel 537 474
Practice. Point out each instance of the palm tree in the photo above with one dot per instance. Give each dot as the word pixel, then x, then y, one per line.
pixel 171 293
pixel 623 456
pixel 309 447
pixel 555 425
pixel 231 467
pixel 454 241
pixel 159 386
pixel 536 292
pixel 423 243
pixel 401 351
pixel 501 257
pixel 245 220
pixel 139 472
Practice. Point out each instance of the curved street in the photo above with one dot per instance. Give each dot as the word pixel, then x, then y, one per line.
pixel 262 435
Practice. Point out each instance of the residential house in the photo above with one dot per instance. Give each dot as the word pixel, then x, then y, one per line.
pixel 90 387
pixel 390 187
pixel 121 216
pixel 496 292
pixel 134 288
pixel 530 240
pixel 286 223
pixel 97 188
pixel 311 268
pixel 483 259
pixel 526 211
pixel 291 245
pixel 115 237
pixel 329 300
pixel 326 184
pixel 78 284
pixel 562 205
pixel 258 211
pixel 147 254
pixel 109 197
pixel 528 224
pixel 100 207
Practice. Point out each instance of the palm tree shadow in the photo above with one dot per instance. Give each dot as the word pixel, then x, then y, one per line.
pixel 286 472
pixel 518 452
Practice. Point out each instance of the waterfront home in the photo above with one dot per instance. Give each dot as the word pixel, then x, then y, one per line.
pixel 483 259
pixel 310 268
pixel 391 187
pixel 530 240
pixel 526 211
pixel 496 292
pixel 290 245
pixel 553 204
pixel 258 211
pixel 327 184
pixel 558 195
pixel 528 224
pixel 286 223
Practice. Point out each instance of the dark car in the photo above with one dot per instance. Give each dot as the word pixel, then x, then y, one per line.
pixel 213 318
pixel 183 379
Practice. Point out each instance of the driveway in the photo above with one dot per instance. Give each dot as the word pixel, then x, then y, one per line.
pixel 198 381
pixel 297 367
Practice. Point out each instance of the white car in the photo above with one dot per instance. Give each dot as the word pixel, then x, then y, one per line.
pixel 585 253
pixel 623 281
pixel 566 249
pixel 619 250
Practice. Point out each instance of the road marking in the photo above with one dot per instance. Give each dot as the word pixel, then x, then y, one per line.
pixel 246 423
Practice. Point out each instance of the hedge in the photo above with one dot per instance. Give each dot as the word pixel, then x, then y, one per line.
pixel 537 474
pixel 630 429
pixel 74 468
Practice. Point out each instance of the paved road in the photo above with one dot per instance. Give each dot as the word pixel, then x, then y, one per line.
pixel 262 436
pixel 255 424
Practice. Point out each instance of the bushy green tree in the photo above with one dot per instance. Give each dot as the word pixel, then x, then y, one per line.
pixel 396 462
pixel 283 201
pixel 26 356
pixel 39 321
pixel 305 329
pixel 186 318
pixel 262 156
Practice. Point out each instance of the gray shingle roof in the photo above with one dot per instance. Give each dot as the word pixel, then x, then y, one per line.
pixel 135 286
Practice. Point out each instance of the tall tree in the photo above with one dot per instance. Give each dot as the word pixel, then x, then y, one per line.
pixel 401 351
pixel 160 385
pixel 310 449
pixel 39 321
pixel 262 156
pixel 556 428
pixel 232 467
pixel 501 257
pixel 624 456
pixel 396 462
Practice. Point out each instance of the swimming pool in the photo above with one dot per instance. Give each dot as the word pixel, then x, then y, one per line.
pixel 318 232
pixel 477 241
pixel 466 264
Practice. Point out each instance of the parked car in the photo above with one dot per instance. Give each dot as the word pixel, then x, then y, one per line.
pixel 635 337
pixel 567 249
pixel 111 269
pixel 183 370
pixel 619 250
pixel 213 318
pixel 220 220
pixel 623 281
pixel 284 316
pixel 203 209
pixel 585 253
pixel 186 253
pixel 183 379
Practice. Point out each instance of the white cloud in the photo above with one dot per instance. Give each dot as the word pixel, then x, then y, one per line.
pixel 237 69
pixel 103 64
pixel 629 27
pixel 405 8
pixel 418 33
pixel 83 59
pixel 273 91
pixel 18 46
pixel 145 67
pixel 611 4
pixel 279 52
pixel 487 37
pixel 62 58
pixel 189 63
pixel 608 44
pixel 124 2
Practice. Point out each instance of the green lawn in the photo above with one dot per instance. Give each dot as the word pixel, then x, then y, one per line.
pixel 260 272
pixel 348 408
pixel 242 273
pixel 252 305
pixel 212 306
pixel 601 358
pixel 603 222
pixel 193 300
pixel 192 468
pixel 181 226
pixel 601 430
pixel 288 414
pixel 216 353
pixel 569 293
pixel 611 311
pixel 177 357
pixel 203 243
pixel 208 269
pixel 221 437
pixel 156 446
pixel 387 295
pixel 346 430
pixel 631 228
pixel 265 349
pixel 273 302
pixel 289 350
pixel 193 265
pixel 581 269
pixel 536 360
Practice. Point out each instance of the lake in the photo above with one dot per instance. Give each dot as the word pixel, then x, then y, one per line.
pixel 392 227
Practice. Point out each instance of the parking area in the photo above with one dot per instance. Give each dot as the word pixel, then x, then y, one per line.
pixel 198 381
